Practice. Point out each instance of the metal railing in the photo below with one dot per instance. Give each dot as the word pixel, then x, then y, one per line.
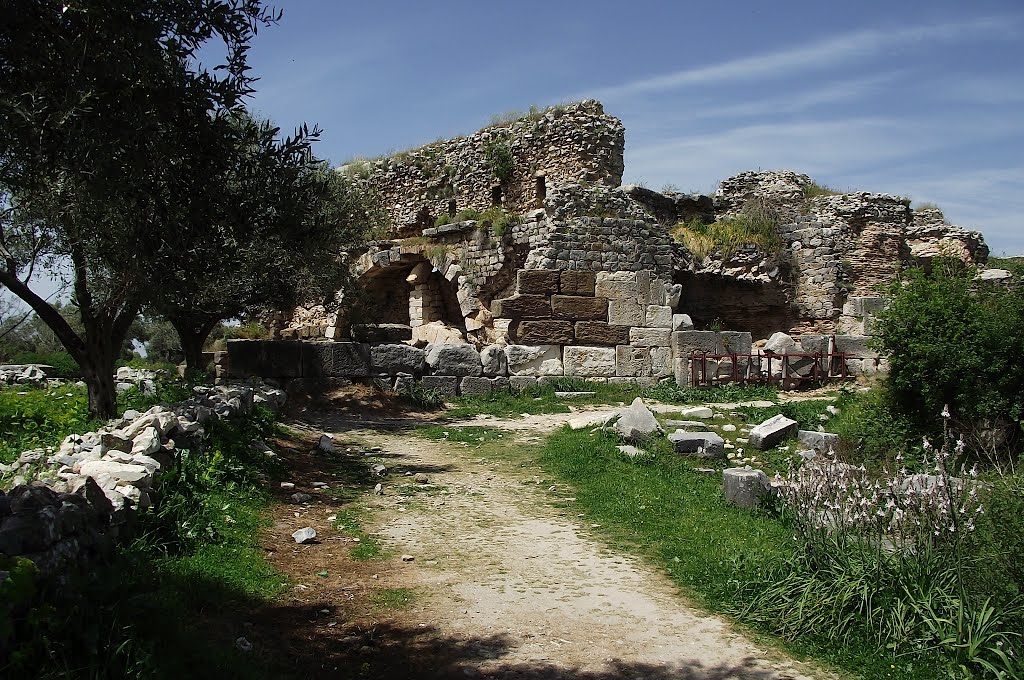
pixel 787 370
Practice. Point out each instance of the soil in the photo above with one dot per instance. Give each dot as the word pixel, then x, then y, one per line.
pixel 487 569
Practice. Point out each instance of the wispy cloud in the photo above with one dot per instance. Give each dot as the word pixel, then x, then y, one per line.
pixel 816 56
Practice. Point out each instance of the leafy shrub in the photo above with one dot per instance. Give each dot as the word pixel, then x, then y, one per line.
pixel 814 189
pixel 954 340
pixel 33 417
pixel 63 362
pixel 498 157
pixel 754 225
pixel 871 430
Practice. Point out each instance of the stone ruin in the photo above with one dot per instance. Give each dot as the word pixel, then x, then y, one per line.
pixel 520 245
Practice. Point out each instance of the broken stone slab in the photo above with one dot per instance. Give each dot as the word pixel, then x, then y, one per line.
pixel 493 361
pixel 821 442
pixel 589 362
pixel 697 412
pixel 305 535
pixel 574 395
pixel 457 360
pixel 681 322
pixel 636 422
pixel 630 451
pixel 702 444
pixel 685 423
pixel 744 488
pixel 535 360
pixel 772 431
pixel 381 332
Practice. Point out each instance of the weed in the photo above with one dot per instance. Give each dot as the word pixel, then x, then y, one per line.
pixel 366 548
pixel 498 157
pixel 393 598
pixel 814 190
pixel 755 225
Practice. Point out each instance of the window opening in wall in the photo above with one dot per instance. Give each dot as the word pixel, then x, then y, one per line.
pixel 452 208
pixel 496 195
pixel 542 190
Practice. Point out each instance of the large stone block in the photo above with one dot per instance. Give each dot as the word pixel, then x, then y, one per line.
pixel 520 383
pixel 650 337
pixel 267 358
pixel 700 444
pixel 579 308
pixel 661 362
pixel 822 442
pixel 535 360
pixel 393 359
pixel 682 322
pixel 710 342
pixel 380 332
pixel 493 361
pixel 772 431
pixel 814 344
pixel 617 286
pixel 601 333
pixel 459 360
pixel 626 313
pixel 578 282
pixel 856 345
pixel 523 307
pixel 448 385
pixel 744 488
pixel 589 361
pixel 342 359
pixel 632 361
pixel 474 386
pixel 636 422
pixel 658 316
pixel 543 332
pixel 537 281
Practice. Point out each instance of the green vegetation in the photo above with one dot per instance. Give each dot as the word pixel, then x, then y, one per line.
pixel 754 225
pixel 926 205
pixel 498 157
pixel 496 217
pixel 157 611
pixel 954 341
pixel 393 598
pixel 814 190
pixel 534 114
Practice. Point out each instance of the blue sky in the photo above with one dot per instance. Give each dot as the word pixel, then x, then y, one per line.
pixel 920 98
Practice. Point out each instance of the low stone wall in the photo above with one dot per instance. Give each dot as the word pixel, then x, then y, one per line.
pixel 71 505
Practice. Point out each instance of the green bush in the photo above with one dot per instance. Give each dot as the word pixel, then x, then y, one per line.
pixel 871 430
pixel 498 157
pixel 31 417
pixel 64 364
pixel 954 340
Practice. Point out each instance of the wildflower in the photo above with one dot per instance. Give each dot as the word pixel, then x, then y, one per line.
pixel 945 411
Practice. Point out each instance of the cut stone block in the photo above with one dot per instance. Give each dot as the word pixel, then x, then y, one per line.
pixel 519 383
pixel 744 488
pixel 822 442
pixel 474 386
pixel 393 359
pixel 537 281
pixel 626 313
pixel 617 286
pixel 697 412
pixel 343 359
pixel 657 294
pixel 380 332
pixel 589 361
pixel 579 308
pixel 632 361
pixel 446 385
pixel 578 282
pixel 267 358
pixel 650 337
pixel 857 345
pixel 780 343
pixel 601 333
pixel 543 332
pixel 458 360
pixel 523 307
pixel 658 317
pixel 772 431
pixel 535 360
pixel 661 362
pixel 700 444
pixel 710 342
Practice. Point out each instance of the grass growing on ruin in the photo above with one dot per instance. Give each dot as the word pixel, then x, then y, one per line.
pixel 755 225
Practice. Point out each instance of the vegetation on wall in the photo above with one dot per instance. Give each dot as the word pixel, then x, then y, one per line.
pixel 498 157
pixel 755 225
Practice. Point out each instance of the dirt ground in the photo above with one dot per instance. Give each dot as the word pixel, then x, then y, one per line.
pixel 482 573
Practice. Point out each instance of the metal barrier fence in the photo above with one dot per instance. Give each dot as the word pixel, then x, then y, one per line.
pixel 787 370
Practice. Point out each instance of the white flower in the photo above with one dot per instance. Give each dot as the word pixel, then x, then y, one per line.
pixel 945 411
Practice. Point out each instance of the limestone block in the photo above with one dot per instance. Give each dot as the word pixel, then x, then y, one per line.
pixel 458 360
pixel 710 342
pixel 636 422
pixel 700 444
pixel 822 442
pixel 681 366
pixel 578 282
pixel 266 358
pixel 474 386
pixel 780 343
pixel 579 308
pixel 617 286
pixel 744 488
pixel 535 360
pixel 656 294
pixel 672 294
pixel 520 383
pixel 772 431
pixel 589 361
pixel 343 359
pixel 543 332
pixel 697 412
pixel 814 344
pixel 658 316
pixel 404 383
pixel 632 361
pixel 661 362
pixel 394 359
pixel 136 475
pixel 380 332
pixel 537 281
pixel 857 345
pixel 682 322
pixel 626 313
pixel 443 384
pixel 523 307
pixel 650 337
pixel 601 333
pixel 493 361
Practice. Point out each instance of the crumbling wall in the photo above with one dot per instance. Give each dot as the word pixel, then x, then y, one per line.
pixel 565 145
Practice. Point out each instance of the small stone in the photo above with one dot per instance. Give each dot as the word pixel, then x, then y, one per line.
pixel 379 469
pixel 287 486
pixel 243 645
pixel 301 498
pixel 305 535
pixel 379 489
pixel 728 428
pixel 408 558
pixel 421 478
pixel 326 444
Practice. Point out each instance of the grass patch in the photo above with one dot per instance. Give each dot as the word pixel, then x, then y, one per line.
pixel 813 190
pixel 475 436
pixel 349 522
pixel 393 598
pixel 755 225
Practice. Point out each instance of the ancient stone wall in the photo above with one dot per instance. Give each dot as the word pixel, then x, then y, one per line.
pixel 511 164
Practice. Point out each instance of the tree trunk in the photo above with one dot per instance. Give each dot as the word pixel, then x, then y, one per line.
pixel 99 381
pixel 192 335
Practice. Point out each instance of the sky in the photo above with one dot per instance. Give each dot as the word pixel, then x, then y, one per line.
pixel 917 98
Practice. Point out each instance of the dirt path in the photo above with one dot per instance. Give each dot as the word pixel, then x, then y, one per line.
pixel 502 582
